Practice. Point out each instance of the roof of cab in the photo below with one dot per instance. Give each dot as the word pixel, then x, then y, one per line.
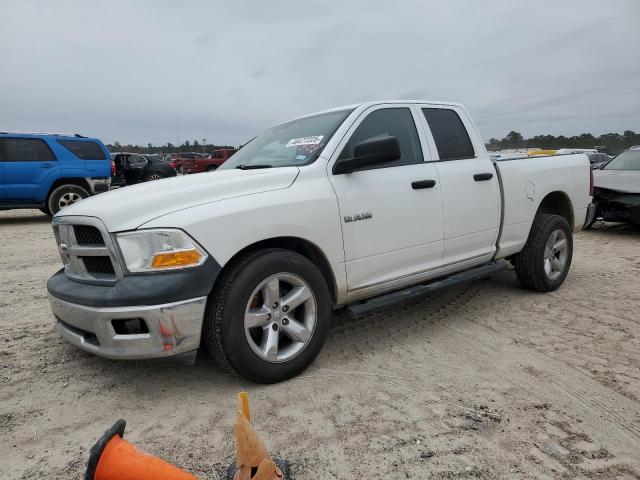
pixel 371 103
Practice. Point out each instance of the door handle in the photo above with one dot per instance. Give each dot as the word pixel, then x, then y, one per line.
pixel 479 177
pixel 423 184
pixel 46 165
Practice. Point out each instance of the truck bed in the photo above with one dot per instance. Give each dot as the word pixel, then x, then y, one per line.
pixel 525 182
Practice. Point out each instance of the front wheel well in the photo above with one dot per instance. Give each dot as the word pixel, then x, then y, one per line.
pixel 557 203
pixel 295 244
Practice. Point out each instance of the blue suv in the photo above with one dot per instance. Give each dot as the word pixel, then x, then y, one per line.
pixel 50 171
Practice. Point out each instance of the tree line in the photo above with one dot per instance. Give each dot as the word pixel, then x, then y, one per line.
pixel 187 146
pixel 611 143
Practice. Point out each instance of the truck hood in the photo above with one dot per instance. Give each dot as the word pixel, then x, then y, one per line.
pixel 624 181
pixel 129 207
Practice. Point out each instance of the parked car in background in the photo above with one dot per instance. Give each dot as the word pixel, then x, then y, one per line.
pixel 132 168
pixel 616 192
pixel 50 171
pixel 178 159
pixel 208 163
pixel 360 207
pixel 597 160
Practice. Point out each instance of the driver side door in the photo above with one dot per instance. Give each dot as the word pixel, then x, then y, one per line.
pixel 391 213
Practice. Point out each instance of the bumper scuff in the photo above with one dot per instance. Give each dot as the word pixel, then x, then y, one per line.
pixel 173 328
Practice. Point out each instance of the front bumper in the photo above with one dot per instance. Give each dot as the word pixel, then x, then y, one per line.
pixel 173 328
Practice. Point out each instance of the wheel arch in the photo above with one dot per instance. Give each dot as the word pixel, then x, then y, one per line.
pixel 558 203
pixel 78 181
pixel 296 244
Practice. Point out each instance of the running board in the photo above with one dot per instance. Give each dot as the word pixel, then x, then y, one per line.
pixel 365 307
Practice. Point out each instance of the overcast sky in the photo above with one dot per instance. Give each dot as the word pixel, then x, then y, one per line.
pixel 125 70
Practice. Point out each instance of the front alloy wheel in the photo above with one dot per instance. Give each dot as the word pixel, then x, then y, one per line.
pixel 268 316
pixel 280 317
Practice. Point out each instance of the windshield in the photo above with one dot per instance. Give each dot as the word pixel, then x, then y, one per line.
pixel 294 143
pixel 629 160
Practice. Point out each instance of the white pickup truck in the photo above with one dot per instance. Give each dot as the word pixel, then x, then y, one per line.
pixel 359 207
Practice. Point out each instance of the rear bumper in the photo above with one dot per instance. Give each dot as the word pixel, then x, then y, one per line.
pixel 98 184
pixel 173 328
pixel 591 211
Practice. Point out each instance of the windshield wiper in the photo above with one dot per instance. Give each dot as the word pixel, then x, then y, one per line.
pixel 252 167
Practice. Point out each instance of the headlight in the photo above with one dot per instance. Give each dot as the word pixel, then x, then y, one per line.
pixel 157 250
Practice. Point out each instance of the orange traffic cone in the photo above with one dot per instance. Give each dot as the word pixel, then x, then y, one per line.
pixel 113 458
pixel 252 459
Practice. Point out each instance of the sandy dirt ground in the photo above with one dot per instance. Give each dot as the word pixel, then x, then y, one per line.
pixel 482 381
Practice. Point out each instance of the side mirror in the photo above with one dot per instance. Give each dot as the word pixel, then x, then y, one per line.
pixel 370 152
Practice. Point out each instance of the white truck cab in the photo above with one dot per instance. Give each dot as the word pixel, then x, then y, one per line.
pixel 357 207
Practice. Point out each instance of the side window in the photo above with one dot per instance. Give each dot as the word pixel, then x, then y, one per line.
pixel 395 122
pixel 84 149
pixel 27 150
pixel 449 133
pixel 136 160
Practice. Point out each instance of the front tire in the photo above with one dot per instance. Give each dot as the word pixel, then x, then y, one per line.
pixel 65 195
pixel 268 318
pixel 544 262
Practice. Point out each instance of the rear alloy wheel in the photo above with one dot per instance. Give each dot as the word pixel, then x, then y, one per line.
pixel 64 196
pixel 268 316
pixel 149 177
pixel 556 254
pixel 544 262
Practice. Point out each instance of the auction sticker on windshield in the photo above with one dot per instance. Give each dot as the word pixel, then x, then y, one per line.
pixel 313 140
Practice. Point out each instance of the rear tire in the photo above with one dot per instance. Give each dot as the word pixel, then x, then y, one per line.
pixel 151 176
pixel 250 311
pixel 65 195
pixel 544 262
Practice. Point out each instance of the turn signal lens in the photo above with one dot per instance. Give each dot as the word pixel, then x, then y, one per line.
pixel 181 258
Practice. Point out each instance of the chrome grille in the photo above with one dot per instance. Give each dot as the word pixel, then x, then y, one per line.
pixel 87 251
pixel 87 235
pixel 98 265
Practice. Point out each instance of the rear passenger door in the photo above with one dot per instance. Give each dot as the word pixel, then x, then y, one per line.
pixel 30 167
pixel 391 213
pixel 470 189
pixel 86 156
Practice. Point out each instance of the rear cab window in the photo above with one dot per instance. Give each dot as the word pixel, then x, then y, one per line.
pixel 449 133
pixel 84 149
pixel 25 150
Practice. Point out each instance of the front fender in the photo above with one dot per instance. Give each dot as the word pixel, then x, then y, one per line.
pixel 306 210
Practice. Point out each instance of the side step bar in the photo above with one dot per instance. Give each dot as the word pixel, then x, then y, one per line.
pixel 383 302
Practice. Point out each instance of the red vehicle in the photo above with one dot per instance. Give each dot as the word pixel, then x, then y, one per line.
pixel 177 159
pixel 206 164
